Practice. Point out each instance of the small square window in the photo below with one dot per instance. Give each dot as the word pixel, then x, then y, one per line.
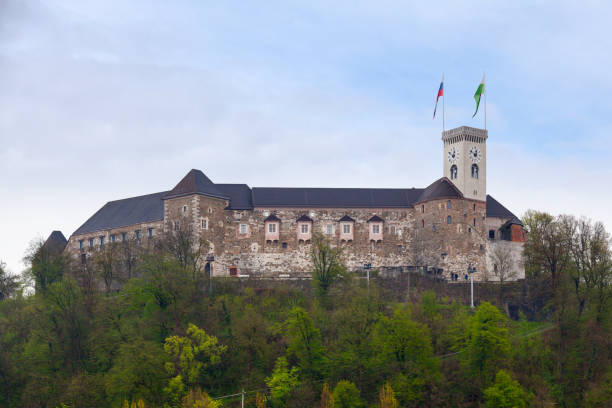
pixel 243 228
pixel 150 231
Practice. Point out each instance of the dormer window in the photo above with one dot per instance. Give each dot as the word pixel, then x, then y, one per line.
pixel 272 228
pixel 453 172
pixel 304 230
pixel 346 229
pixel 474 171
pixel 376 228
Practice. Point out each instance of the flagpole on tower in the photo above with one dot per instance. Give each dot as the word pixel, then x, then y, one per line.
pixel 443 107
pixel 485 92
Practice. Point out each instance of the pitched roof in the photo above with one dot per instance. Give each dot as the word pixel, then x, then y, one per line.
pixel 271 217
pixel 56 242
pixel 195 182
pixel 346 218
pixel 304 218
pixel 334 197
pixel 441 188
pixel 495 209
pixel 121 213
pixel 238 194
pixel 376 218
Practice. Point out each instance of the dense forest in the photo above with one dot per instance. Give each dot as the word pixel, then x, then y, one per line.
pixel 163 334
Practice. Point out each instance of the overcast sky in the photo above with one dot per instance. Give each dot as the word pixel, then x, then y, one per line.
pixel 102 100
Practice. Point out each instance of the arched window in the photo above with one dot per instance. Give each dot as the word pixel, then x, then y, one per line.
pixel 449 220
pixel 453 172
pixel 474 171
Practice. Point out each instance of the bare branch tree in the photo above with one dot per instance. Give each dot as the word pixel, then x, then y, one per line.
pixel 504 266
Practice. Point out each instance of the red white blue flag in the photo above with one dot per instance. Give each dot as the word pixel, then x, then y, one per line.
pixel 440 93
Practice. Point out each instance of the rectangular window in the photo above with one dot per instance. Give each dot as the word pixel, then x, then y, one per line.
pixel 304 228
pixel 91 242
pixel 399 249
pixel 101 241
pixel 81 244
pixel 123 236
pixel 238 216
pixel 448 204
pixel 150 232
pixel 243 228
pixel 83 259
pixel 284 245
pixel 474 221
pixel 113 238
pixel 392 230
pixel 346 228
pixel 137 233
pixel 329 229
pixel 491 234
pixel 272 228
pixel 177 225
pixel 204 224
pixel 184 208
pixel 423 208
pixel 376 229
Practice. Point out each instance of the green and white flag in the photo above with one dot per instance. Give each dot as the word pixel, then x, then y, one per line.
pixel 478 94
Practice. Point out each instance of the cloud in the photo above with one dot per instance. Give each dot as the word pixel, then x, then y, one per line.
pixel 110 99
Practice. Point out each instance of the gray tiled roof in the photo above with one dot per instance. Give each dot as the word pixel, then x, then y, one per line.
pixel 195 182
pixel 121 213
pixel 335 197
pixel 495 209
pixel 56 242
pixel 441 188
pixel 148 208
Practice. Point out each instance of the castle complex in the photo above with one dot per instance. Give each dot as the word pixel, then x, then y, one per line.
pixel 446 228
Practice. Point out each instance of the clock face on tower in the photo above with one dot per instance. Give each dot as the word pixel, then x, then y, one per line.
pixel 475 154
pixel 453 155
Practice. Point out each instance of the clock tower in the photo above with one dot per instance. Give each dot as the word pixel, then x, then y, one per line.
pixel 465 160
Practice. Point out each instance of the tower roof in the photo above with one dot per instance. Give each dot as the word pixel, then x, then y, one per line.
pixel 56 242
pixel 441 188
pixel 195 182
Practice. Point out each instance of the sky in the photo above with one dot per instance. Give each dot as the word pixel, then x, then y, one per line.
pixel 103 100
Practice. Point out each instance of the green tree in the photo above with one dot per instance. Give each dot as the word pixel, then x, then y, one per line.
pixel 305 344
pixel 45 265
pixel 487 347
pixel 191 354
pixel 506 393
pixel 8 283
pixel 282 382
pixel 346 395
pixel 327 264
